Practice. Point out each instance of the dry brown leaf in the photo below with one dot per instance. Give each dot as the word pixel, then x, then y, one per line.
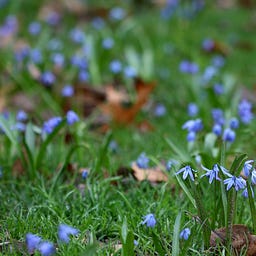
pixel 241 239
pixel 151 174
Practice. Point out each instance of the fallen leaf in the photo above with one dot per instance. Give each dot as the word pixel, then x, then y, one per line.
pixel 151 174
pixel 241 239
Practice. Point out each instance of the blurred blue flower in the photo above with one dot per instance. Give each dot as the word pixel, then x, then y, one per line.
pixel 84 174
pixel 135 242
pixel 67 91
pixel 188 67
pixel 36 56
pixel 53 18
pixel 130 72
pixel 98 23
pixel 108 43
pixel 47 78
pixel 160 110
pixel 193 125
pixel 208 44
pixel 149 220
pixel 192 109
pixel 58 59
pixel 253 177
pixel 185 233
pixel 34 28
pixel 79 61
pixel 245 111
pixel 113 146
pixel 228 135
pixel 21 116
pixel 46 248
pixel 218 116
pixel 72 117
pixel 233 123
pixel 191 136
pixel 217 129
pixel 19 126
pixel 187 171
pixel 55 45
pixel 115 66
pixel 218 61
pixel 142 161
pixel 237 182
pixel 32 242
pixel 117 13
pixel 209 73
pixel 50 124
pixel 248 167
pixel 218 89
pixel 211 174
pixel 245 193
pixel 83 76
pixel 64 232
pixel 77 35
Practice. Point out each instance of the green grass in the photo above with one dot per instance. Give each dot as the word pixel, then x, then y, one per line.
pixel 41 186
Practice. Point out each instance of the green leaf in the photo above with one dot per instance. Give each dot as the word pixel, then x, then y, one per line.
pixel 127 238
pixel 175 238
pixel 238 164
pixel 158 244
pixel 30 137
pixel 5 126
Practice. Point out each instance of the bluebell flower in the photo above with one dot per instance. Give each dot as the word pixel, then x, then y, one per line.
pixel 36 56
pixel 149 220
pixel 117 13
pixel 160 110
pixel 193 125
pixel 245 193
pixel 64 232
pixel 108 43
pixel 21 116
pixel 253 177
pixel 142 161
pixel 245 111
pixel 187 171
pixel 209 73
pixel 248 167
pixel 67 91
pixel 185 233
pixel 34 28
pixel 188 67
pixel 83 76
pixel 218 89
pixel 192 109
pixel 191 136
pixel 217 129
pixel 19 126
pixel 58 59
pixel 218 61
pixel 135 242
pixel 233 123
pixel 79 61
pixel 53 18
pixel 51 124
pixel 84 174
pixel 218 116
pixel 115 66
pixel 208 44
pixel 77 35
pixel 46 248
pixel 72 117
pixel 211 174
pixel 130 72
pixel 32 242
pixel 237 182
pixel 48 78
pixel 228 135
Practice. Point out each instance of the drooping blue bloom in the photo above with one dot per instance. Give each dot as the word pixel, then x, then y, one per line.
pixel 160 110
pixel 245 111
pixel 115 66
pixel 84 174
pixel 50 124
pixel 191 136
pixel 209 73
pixel 72 117
pixel 19 126
pixel 67 91
pixel 193 125
pixel 253 177
pixel 108 43
pixel 208 44
pixel 21 116
pixel 65 231
pixel 218 116
pixel 83 75
pixel 217 129
pixel 218 61
pixel 117 13
pixel 130 72
pixel 245 193
pixel 237 182
pixel 218 89
pixel 58 59
pixel 46 248
pixel 211 174
pixel 187 171
pixel 48 78
pixel 142 161
pixel 188 67
pixel 233 123
pixel 32 242
pixel 36 56
pixel 185 233
pixel 228 135
pixel 149 220
pixel 77 35
pixel 34 28
pixel 248 167
pixel 192 109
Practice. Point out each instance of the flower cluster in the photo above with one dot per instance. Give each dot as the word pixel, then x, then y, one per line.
pixel 193 127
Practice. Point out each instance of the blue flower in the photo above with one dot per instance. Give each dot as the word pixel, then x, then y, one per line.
pixel 185 233
pixel 108 43
pixel 46 248
pixel 192 109
pixel 98 23
pixel 228 135
pixel 208 44
pixel 130 72
pixel 32 242
pixel 248 167
pixel 211 174
pixel 237 182
pixel 64 232
pixel 50 124
pixel 218 89
pixel 21 116
pixel 193 125
pixel 218 116
pixel 159 110
pixel 117 13
pixel 34 28
pixel 245 193
pixel 191 136
pixel 36 56
pixel 48 78
pixel 218 61
pixel 209 73
pixel 187 171
pixel 115 66
pixel 84 174
pixel 244 111
pixel 188 67
pixel 233 123
pixel 149 220
pixel 142 161
pixel 72 117
pixel 217 129
pixel 135 242
pixel 58 59
pixel 254 177
pixel 77 35
pixel 67 91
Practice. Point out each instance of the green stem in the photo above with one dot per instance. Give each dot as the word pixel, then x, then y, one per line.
pixel 252 206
